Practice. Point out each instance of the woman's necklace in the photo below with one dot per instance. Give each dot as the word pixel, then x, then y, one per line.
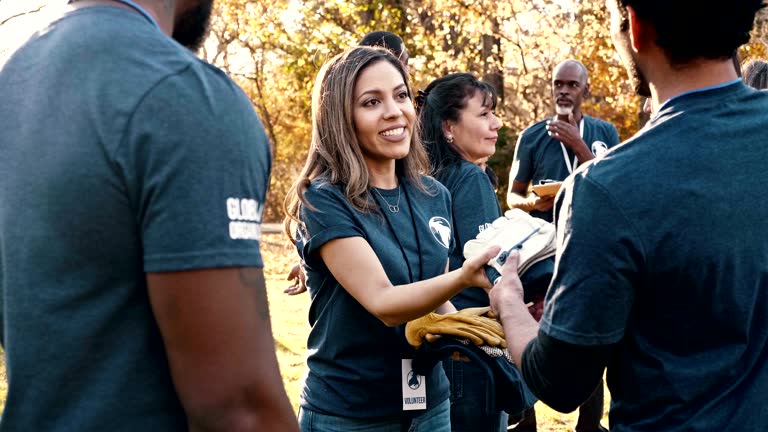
pixel 394 208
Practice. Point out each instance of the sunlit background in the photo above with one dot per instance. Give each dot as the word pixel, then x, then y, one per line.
pixel 274 48
pixel 20 18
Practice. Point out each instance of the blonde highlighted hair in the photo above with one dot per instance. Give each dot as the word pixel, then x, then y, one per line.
pixel 335 156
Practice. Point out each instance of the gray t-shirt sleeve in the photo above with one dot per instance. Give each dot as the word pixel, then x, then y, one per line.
pixel 331 217
pixel 196 163
pixel 475 206
pixel 598 266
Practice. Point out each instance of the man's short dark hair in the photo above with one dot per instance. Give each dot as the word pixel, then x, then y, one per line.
pixel 691 29
pixel 756 74
pixel 384 39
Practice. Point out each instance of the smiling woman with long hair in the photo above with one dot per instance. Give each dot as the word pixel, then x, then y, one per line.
pixel 375 234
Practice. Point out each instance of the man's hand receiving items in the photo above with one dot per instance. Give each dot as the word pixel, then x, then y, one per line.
pixel 516 230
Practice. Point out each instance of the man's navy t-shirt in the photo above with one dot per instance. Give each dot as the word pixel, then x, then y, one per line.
pixel 122 154
pixel 538 156
pixel 662 250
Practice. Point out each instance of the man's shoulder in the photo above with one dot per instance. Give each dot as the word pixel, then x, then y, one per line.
pixel 122 42
pixel 204 81
pixel 534 131
pixel 623 168
pixel 536 127
pixel 117 35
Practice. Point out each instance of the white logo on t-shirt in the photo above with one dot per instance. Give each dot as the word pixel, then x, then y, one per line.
pixel 441 230
pixel 598 148
pixel 245 218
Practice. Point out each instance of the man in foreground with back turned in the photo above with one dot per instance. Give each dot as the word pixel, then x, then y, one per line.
pixel 662 259
pixel 132 184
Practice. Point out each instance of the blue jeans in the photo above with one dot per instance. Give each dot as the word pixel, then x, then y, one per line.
pixel 437 419
pixel 470 399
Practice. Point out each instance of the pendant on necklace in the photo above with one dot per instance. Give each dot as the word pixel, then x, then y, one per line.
pixel 394 208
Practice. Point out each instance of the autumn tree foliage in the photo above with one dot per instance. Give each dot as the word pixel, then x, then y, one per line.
pixel 275 48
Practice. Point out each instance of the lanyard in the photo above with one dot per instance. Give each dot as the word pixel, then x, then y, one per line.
pixel 568 164
pixel 140 10
pixel 397 239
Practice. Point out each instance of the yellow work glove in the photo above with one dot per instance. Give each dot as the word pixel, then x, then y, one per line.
pixel 472 324
pixel 484 312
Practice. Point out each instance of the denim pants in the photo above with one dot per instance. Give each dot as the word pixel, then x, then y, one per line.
pixel 436 419
pixel 471 398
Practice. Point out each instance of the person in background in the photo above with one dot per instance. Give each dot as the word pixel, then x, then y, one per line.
pixel 132 287
pixel 459 127
pixel 551 149
pixel 395 45
pixel 670 302
pixel 389 41
pixel 756 74
pixel 375 239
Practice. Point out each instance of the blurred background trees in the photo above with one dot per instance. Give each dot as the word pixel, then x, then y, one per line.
pixel 274 49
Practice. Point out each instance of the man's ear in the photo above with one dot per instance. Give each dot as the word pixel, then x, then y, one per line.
pixel 639 32
pixel 585 93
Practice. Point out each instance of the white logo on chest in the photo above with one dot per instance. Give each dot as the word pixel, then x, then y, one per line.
pixel 598 148
pixel 441 230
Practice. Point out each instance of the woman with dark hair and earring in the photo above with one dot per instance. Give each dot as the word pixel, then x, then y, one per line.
pixel 375 237
pixel 459 130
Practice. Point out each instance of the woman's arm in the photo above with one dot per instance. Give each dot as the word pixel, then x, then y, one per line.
pixel 357 268
pixel 446 307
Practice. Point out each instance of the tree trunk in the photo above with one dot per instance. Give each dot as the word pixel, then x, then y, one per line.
pixel 493 61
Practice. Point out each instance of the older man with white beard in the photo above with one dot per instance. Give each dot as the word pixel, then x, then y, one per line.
pixel 551 149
